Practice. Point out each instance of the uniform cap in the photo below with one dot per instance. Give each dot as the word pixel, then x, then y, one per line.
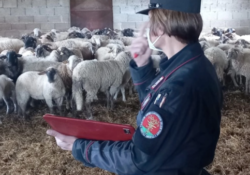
pixel 188 6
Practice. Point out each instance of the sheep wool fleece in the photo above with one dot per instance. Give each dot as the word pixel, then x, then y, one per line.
pixel 178 124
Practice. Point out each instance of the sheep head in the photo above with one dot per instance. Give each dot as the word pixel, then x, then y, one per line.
pixel 51 74
pixel 43 50
pixel 233 53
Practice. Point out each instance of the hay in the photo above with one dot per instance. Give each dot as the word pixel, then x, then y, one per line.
pixel 26 149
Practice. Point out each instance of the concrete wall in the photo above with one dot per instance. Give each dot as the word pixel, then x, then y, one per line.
pixel 20 16
pixel 215 13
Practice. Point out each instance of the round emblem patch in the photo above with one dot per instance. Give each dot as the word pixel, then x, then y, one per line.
pixel 151 125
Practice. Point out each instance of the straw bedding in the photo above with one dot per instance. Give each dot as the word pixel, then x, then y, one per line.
pixel 25 149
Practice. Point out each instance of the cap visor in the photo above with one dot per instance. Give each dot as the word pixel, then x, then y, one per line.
pixel 144 12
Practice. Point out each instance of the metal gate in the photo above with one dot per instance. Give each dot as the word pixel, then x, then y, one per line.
pixel 93 14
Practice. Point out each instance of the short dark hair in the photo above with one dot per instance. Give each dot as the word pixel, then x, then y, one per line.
pixel 186 27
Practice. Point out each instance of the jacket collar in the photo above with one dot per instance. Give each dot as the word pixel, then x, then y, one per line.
pixel 190 51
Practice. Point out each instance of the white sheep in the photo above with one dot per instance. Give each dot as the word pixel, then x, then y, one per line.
pixel 46 85
pixel 94 76
pixel 10 44
pixel 219 60
pixel 109 52
pixel 27 52
pixel 84 46
pixel 37 32
pixel 240 59
pixel 65 53
pixel 7 92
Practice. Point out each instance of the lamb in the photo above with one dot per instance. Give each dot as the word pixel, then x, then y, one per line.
pixel 7 92
pixel 92 76
pixel 39 86
pixel 219 60
pixel 241 63
pixel 10 44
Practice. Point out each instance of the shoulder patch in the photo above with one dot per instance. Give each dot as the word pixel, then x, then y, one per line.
pixel 151 125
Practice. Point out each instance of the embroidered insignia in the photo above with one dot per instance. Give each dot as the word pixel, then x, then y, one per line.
pixel 145 101
pixel 158 82
pixel 163 100
pixel 151 125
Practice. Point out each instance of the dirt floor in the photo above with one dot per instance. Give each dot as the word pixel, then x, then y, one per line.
pixel 25 149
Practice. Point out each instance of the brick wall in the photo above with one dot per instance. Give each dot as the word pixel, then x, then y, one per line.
pixel 215 13
pixel 21 16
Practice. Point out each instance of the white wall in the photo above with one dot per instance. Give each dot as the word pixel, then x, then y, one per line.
pixel 215 13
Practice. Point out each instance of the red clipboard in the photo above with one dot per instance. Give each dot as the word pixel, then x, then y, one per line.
pixel 88 129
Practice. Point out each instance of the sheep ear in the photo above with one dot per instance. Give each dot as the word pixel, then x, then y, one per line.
pixel 42 73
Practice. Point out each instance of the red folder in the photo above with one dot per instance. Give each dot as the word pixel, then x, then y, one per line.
pixel 88 129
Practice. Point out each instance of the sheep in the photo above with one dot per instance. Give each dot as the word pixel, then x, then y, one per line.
pixel 109 52
pixel 219 60
pixel 43 50
pixel 99 40
pixel 64 71
pixel 92 76
pixel 241 63
pixel 39 86
pixel 75 34
pixel 72 29
pixel 37 65
pixel 13 66
pixel 128 32
pixel 73 61
pixel 204 45
pixel 125 80
pixel 46 38
pixel 213 41
pixel 65 53
pixel 7 92
pixel 10 44
pixel 29 41
pixel 85 47
pixel 37 32
pixel 127 40
pixel 27 52
pixel 87 33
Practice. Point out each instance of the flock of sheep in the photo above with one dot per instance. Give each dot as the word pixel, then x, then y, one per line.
pixel 229 53
pixel 71 65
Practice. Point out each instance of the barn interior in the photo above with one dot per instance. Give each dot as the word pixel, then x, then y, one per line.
pixel 26 149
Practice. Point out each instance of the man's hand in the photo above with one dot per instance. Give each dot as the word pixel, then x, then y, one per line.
pixel 63 141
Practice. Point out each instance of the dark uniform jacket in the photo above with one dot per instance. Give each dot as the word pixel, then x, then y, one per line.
pixel 178 124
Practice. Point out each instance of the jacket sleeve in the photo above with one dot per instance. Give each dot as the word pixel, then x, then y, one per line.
pixel 142 77
pixel 116 157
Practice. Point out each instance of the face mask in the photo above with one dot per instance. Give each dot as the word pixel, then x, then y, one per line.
pixel 151 45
